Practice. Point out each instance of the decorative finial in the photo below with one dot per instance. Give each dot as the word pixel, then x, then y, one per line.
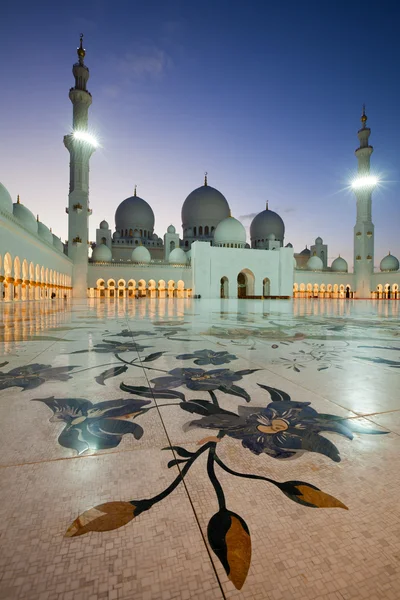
pixel 134 191
pixel 266 206
pixel 389 252
pixel 51 230
pixel 37 218
pixel 81 51
pixel 363 116
pixel 205 178
pixel 18 202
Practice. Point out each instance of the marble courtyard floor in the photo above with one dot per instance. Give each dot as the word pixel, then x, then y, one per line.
pixel 185 449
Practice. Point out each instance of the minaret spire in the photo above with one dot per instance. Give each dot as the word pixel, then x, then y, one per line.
pixel 205 178
pixel 81 147
pixel 364 228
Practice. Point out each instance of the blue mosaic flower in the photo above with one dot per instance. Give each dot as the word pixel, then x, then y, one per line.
pixel 282 429
pixel 112 347
pixel 208 357
pixel 198 379
pixel 95 426
pixel 29 377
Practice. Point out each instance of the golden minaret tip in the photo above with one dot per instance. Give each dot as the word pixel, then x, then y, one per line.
pixel 81 50
pixel 363 116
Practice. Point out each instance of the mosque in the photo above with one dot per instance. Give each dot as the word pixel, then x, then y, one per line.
pixel 211 259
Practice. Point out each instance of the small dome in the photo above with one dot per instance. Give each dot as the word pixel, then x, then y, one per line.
pixel 104 225
pixel 305 252
pixel 229 231
pixel 339 265
pixel 136 234
pixel 289 245
pixel 102 253
pixel 177 257
pixel 318 241
pixel 265 223
pixel 57 243
pixel 389 263
pixel 6 203
pixel 271 237
pixel 134 213
pixel 247 246
pixel 116 235
pixel 315 264
pixel 45 233
pixel 171 229
pixel 204 206
pixel 154 237
pixel 141 255
pixel 25 217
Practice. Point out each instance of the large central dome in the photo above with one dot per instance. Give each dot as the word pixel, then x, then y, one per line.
pixel 134 213
pixel 205 206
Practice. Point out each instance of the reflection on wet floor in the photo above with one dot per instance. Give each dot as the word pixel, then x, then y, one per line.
pixel 106 406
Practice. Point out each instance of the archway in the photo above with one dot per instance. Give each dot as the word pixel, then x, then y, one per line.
pixel 266 287
pixel 224 291
pixel 245 283
pixel 348 291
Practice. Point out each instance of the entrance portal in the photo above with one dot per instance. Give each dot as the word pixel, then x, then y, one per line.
pixel 224 292
pixel 245 283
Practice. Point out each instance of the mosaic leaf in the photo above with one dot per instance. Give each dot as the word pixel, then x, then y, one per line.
pixel 276 395
pixel 148 392
pixel 309 495
pixel 113 372
pixel 382 361
pixel 176 461
pixel 203 407
pixel 247 372
pixel 151 357
pixel 103 517
pixel 180 451
pixel 235 390
pixel 229 538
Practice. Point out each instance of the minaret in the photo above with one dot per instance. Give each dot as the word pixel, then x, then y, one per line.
pixel 81 146
pixel 363 187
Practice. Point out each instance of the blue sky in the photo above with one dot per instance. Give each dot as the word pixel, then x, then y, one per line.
pixel 265 96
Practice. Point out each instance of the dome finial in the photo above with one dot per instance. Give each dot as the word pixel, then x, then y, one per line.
pixel 363 116
pixel 37 218
pixel 230 213
pixel 134 191
pixel 266 206
pixel 18 200
pixel 205 178
pixel 81 51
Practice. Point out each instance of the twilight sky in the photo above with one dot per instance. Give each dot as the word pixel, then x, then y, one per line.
pixel 265 96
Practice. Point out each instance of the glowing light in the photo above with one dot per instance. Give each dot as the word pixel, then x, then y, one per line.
pixel 84 136
pixel 364 182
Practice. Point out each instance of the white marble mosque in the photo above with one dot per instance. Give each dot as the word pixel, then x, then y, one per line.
pixel 211 258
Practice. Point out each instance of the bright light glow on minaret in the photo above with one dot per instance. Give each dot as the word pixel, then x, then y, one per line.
pixel 84 136
pixel 367 181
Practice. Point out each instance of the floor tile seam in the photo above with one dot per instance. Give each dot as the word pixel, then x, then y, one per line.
pixel 45 349
pixel 66 458
pixel 356 415
pixel 383 427
pixel 383 412
pixel 190 500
